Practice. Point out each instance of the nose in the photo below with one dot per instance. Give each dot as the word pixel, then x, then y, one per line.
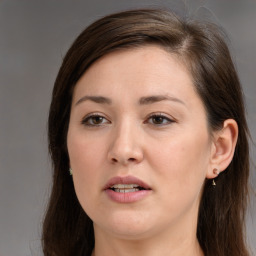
pixel 125 147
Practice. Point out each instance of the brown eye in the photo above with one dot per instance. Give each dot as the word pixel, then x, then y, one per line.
pixel 159 120
pixel 94 120
pixel 97 119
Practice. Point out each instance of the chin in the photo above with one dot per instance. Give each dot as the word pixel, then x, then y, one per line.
pixel 128 226
pixel 130 232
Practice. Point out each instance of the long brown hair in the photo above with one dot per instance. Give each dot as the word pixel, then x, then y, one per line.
pixel 67 230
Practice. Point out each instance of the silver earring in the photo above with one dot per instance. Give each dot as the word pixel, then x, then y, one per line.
pixel 70 171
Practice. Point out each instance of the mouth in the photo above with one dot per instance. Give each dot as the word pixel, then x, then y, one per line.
pixel 125 184
pixel 127 189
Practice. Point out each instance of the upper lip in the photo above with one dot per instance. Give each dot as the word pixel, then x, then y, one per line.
pixel 126 180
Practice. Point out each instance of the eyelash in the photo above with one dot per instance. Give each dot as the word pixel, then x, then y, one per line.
pixel 163 117
pixel 88 118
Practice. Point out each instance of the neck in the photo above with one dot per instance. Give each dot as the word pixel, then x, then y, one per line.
pixel 164 244
pixel 176 238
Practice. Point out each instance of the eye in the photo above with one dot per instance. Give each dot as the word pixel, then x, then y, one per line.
pixel 159 119
pixel 94 120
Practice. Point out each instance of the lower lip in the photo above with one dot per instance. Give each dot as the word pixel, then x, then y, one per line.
pixel 129 197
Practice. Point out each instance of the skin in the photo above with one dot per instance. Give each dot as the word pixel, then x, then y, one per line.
pixel 173 153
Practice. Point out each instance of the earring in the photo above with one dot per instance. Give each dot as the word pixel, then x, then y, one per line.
pixel 216 171
pixel 70 171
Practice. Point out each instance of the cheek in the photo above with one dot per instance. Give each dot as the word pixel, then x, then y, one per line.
pixel 180 167
pixel 181 159
pixel 85 156
pixel 84 152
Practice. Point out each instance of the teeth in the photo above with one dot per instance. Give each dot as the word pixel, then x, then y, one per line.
pixel 125 186
pixel 126 190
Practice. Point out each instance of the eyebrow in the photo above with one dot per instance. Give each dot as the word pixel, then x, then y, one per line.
pixel 96 99
pixel 142 101
pixel 157 98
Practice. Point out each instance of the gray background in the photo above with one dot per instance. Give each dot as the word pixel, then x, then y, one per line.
pixel 34 36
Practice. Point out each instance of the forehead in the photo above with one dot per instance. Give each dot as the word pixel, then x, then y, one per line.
pixel 153 57
pixel 138 71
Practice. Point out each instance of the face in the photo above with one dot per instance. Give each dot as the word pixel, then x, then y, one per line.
pixel 138 144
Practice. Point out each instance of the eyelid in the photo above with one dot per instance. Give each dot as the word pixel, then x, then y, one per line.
pixel 163 115
pixel 166 117
pixel 91 115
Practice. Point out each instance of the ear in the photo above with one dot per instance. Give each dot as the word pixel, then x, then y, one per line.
pixel 223 148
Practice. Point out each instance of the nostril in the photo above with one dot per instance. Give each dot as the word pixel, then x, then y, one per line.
pixel 129 160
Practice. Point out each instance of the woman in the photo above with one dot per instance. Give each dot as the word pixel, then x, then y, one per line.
pixel 148 118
